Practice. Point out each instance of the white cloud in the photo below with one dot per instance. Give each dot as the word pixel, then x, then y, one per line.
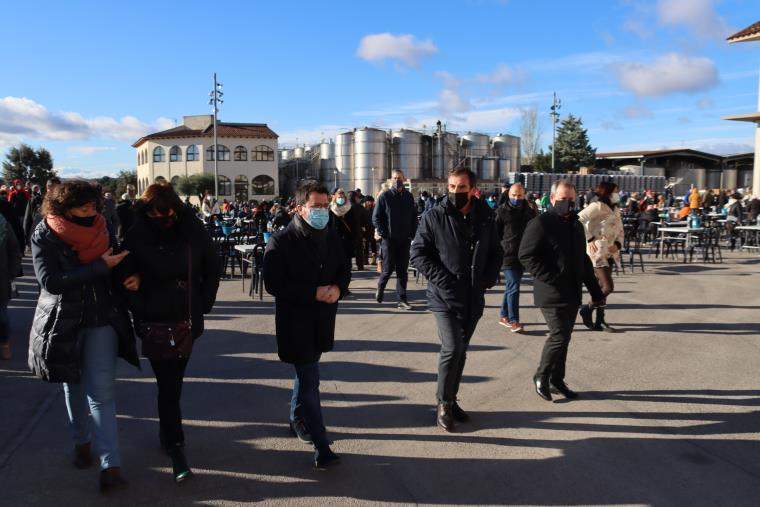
pixel 610 125
pixel 502 75
pixel 404 48
pixel 22 118
pixel 450 101
pixel 705 103
pixel 669 73
pixel 637 112
pixel 698 16
pixel 637 27
pixel 89 150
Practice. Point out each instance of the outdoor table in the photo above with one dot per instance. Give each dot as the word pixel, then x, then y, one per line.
pixel 677 232
pixel 746 230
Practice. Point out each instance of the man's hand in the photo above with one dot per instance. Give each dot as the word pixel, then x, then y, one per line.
pixel 113 260
pixel 322 292
pixel 333 294
pixel 132 283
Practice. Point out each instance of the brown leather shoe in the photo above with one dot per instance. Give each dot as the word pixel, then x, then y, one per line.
pixel 83 456
pixel 445 417
pixel 111 480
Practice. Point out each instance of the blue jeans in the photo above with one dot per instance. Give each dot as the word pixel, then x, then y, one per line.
pixel 510 306
pixel 305 404
pixel 5 327
pixel 95 395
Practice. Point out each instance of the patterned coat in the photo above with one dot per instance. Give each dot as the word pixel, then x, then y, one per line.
pixel 605 227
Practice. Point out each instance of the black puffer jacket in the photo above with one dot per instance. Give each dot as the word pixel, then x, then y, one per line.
pixel 71 293
pixel 511 222
pixel 553 250
pixel 460 264
pixel 293 269
pixel 160 258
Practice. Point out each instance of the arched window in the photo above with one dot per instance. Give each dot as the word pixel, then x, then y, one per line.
pixel 224 153
pixel 241 154
pixel 175 154
pixel 158 154
pixel 241 188
pixel 225 185
pixel 192 153
pixel 262 185
pixel 262 153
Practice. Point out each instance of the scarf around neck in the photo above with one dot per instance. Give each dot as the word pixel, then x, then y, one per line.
pixel 89 243
pixel 340 210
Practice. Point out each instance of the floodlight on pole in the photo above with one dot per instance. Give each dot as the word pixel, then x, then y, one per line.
pixel 216 99
pixel 556 105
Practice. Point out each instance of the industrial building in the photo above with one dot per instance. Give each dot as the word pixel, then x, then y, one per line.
pixel 364 158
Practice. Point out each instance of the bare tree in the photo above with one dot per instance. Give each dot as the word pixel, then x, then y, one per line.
pixel 530 135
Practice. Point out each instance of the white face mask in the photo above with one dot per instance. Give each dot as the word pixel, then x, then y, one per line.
pixel 615 198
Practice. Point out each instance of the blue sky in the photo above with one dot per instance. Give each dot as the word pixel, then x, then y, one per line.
pixel 86 79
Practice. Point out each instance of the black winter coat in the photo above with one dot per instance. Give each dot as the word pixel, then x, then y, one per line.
pixel 442 251
pixel 348 228
pixel 553 250
pixel 160 258
pixel 511 222
pixel 395 215
pixel 125 211
pixel 66 286
pixel 292 273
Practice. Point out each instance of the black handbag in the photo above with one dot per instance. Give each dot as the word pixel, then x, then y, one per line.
pixel 170 340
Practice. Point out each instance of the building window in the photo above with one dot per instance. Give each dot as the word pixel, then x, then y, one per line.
pixel 192 153
pixel 262 153
pixel 224 153
pixel 262 185
pixel 158 154
pixel 241 154
pixel 175 154
pixel 241 188
pixel 225 185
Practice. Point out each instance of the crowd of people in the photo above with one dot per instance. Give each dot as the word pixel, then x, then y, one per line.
pixel 146 267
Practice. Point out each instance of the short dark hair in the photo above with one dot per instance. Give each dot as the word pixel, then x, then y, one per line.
pixel 463 171
pixel 306 189
pixel 604 190
pixel 72 194
pixel 161 198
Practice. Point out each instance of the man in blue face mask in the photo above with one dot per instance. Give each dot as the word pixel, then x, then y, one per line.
pixel 395 220
pixel 553 250
pixel 306 271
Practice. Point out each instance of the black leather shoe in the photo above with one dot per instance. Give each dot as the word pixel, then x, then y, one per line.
pixel 379 295
pixel 587 316
pixel 180 468
pixel 542 388
pixel 83 456
pixel 404 304
pixel 559 387
pixel 445 418
pixel 459 414
pixel 111 480
pixel 325 458
pixel 300 431
pixel 601 325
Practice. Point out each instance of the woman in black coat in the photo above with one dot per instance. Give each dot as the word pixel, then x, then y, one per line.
pixel 347 223
pixel 164 239
pixel 81 324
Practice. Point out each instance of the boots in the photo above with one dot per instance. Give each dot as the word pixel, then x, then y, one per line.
pixel 180 468
pixel 601 325
pixel 587 312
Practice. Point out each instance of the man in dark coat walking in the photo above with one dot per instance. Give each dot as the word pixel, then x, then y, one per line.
pixel 395 220
pixel 306 271
pixel 457 249
pixel 553 250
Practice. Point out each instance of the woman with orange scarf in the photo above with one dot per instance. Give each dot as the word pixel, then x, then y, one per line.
pixel 81 325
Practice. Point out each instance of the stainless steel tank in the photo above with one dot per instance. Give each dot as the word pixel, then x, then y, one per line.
pixel 475 146
pixel 298 152
pixel 489 169
pixel 505 168
pixel 370 159
pixel 445 154
pixel 327 163
pixel 427 157
pixel 344 160
pixel 285 155
pixel 406 152
pixel 327 151
pixel 507 147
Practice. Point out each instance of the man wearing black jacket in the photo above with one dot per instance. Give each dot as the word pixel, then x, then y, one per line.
pixel 457 249
pixel 395 220
pixel 553 250
pixel 306 270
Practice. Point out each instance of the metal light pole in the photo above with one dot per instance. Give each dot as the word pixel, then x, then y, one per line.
pixel 216 98
pixel 556 105
pixel 335 178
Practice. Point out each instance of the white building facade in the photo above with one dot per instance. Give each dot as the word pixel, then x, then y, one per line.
pixel 247 164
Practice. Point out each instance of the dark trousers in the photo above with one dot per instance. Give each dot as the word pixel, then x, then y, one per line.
pixel 395 255
pixel 305 404
pixel 169 376
pixel 455 335
pixel 560 321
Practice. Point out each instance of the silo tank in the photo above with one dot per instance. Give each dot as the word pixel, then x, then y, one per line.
pixel 407 153
pixel 370 152
pixel 445 154
pixel 344 160
pixel 489 169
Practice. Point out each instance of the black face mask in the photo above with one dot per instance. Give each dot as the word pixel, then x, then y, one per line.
pixel 564 208
pixel 162 223
pixel 83 221
pixel 459 199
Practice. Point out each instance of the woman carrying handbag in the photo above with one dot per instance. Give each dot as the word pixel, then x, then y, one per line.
pixel 176 264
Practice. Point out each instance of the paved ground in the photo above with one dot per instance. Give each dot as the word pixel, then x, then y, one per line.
pixel 669 414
